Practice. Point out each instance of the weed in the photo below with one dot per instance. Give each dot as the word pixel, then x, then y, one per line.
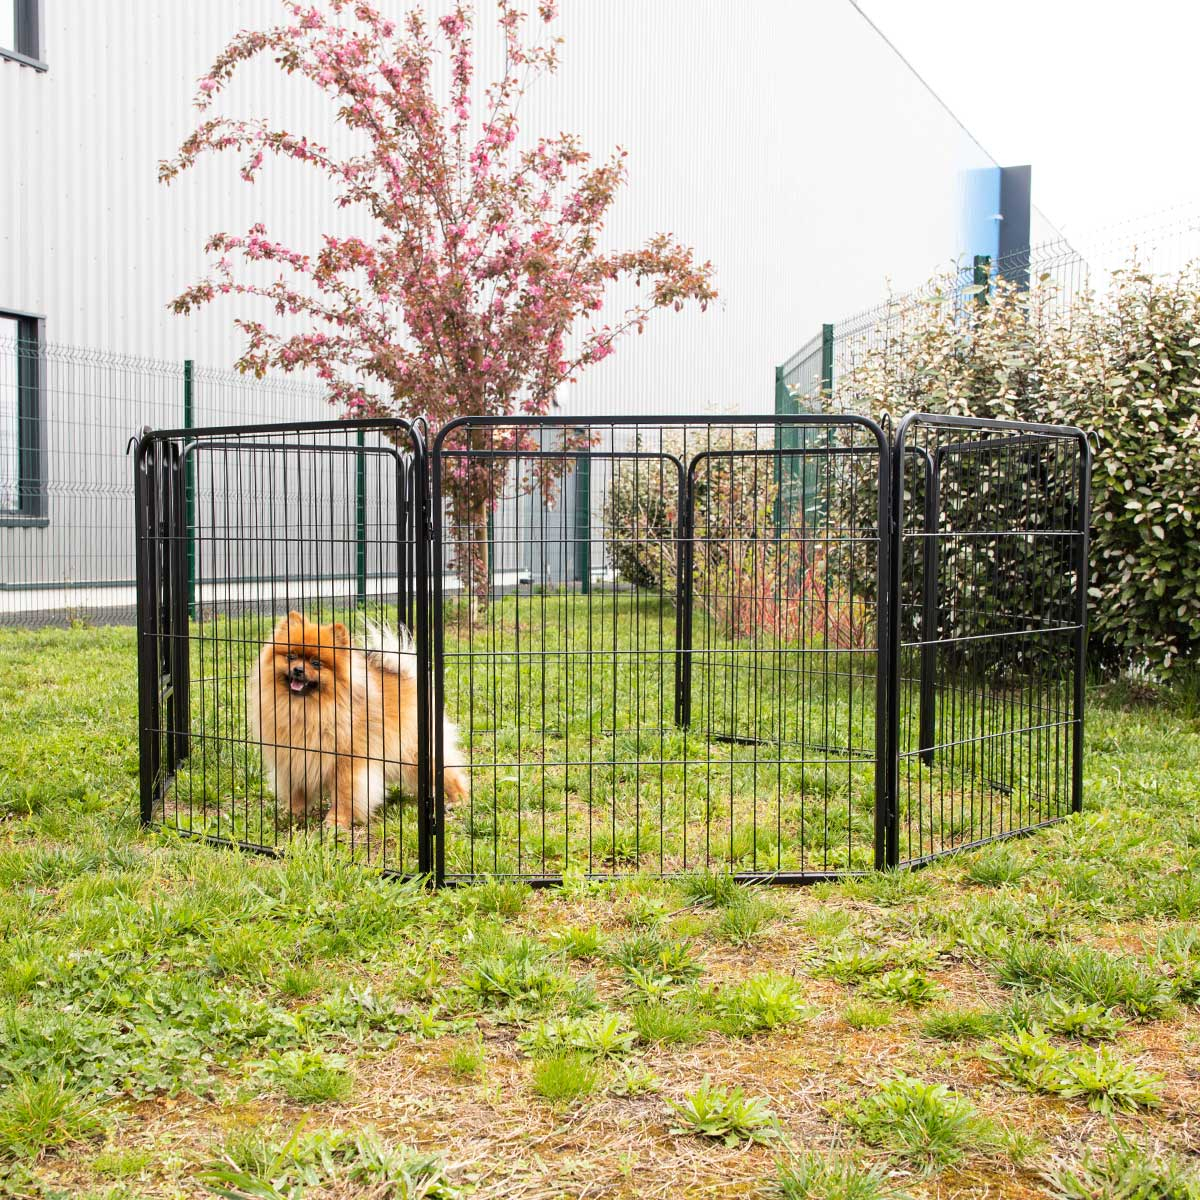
pixel 635 1079
pixel 599 1035
pixel 298 982
pixel 358 1163
pixel 886 887
pixel 1068 1017
pixel 1125 1171
pixel 761 1002
pixel 815 1177
pixel 578 943
pixel 926 1123
pixel 1178 953
pixel 561 1078
pixel 502 897
pixel 904 986
pixel 648 955
pixel 121 1164
pixel 1095 1075
pixel 40 1115
pixel 519 974
pixel 667 1024
pixel 862 1014
pixel 1091 975
pixel 714 889
pixel 309 1077
pixel 827 922
pixel 465 1061
pixel 745 918
pixel 849 965
pixel 960 1024
pixel 724 1113
pixel 995 867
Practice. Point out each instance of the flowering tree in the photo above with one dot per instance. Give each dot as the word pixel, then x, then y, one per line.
pixel 480 288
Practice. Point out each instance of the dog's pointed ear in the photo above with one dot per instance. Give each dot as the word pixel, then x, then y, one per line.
pixel 341 635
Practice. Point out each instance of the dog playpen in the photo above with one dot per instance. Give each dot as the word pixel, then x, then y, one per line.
pixel 783 647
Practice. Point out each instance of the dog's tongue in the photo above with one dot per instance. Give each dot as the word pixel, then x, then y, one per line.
pixel 298 685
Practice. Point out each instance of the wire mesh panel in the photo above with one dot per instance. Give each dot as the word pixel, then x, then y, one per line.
pixel 66 511
pixel 282 605
pixel 646 661
pixel 988 624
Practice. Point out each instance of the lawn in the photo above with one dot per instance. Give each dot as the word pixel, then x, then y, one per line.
pixel 1019 1021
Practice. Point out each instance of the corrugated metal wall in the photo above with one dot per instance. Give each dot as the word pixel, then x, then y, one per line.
pixel 785 141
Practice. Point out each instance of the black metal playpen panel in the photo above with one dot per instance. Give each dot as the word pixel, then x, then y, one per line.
pixel 782 647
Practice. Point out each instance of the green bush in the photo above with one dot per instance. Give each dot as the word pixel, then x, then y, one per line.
pixel 1124 367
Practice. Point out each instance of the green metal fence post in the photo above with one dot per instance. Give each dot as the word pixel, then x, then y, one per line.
pixel 826 361
pixel 189 486
pixel 583 520
pixel 360 521
pixel 983 277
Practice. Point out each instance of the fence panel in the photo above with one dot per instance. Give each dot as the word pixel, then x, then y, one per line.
pixel 269 558
pixel 990 588
pixel 707 696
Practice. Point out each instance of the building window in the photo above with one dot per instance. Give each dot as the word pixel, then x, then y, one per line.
pixel 21 32
pixel 22 434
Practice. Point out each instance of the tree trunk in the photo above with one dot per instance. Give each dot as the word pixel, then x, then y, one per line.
pixel 476 570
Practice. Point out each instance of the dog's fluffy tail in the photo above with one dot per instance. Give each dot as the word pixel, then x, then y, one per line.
pixel 392 650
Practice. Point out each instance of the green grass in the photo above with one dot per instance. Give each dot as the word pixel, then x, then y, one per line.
pixel 926 1124
pixel 170 1013
pixel 559 783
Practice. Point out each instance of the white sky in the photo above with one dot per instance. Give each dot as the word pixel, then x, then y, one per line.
pixel 1101 97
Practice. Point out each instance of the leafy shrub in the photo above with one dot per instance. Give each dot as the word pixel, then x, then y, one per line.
pixel 753 573
pixel 1126 368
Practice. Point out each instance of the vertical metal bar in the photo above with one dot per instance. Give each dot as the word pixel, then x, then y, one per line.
pixel 178 634
pixel 783 405
pixel 583 520
pixel 427 512
pixel 929 606
pixel 147 627
pixel 189 486
pixel 1081 587
pixel 360 519
pixel 887 695
pixel 683 607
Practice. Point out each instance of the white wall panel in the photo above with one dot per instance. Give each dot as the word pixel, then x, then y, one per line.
pixel 784 139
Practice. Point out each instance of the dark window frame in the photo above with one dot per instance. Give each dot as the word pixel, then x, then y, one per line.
pixel 32 503
pixel 28 47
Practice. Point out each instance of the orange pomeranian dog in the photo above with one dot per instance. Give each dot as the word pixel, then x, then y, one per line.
pixel 338 721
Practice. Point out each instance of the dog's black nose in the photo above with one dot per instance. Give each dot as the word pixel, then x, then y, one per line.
pixel 298 671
